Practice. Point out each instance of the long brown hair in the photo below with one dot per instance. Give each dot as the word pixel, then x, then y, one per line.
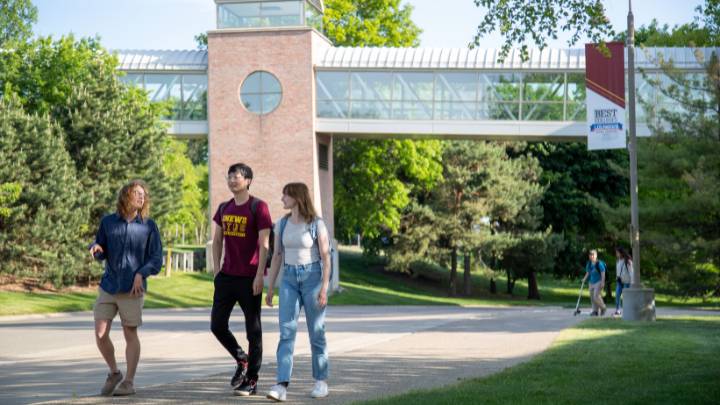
pixel 300 193
pixel 124 207
pixel 624 254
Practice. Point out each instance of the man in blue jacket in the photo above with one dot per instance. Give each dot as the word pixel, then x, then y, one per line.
pixel 129 242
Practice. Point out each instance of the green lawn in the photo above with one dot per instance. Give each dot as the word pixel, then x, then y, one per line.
pixel 182 290
pixel 362 280
pixel 364 284
pixel 603 361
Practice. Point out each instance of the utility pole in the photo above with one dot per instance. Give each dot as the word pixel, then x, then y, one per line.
pixel 638 302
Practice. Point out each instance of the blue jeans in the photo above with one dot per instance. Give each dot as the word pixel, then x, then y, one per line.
pixel 300 287
pixel 619 286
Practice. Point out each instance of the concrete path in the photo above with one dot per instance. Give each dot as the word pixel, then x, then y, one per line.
pixel 374 351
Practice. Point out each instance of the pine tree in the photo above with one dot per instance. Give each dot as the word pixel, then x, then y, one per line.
pixel 40 238
pixel 114 135
pixel 484 192
pixel 679 172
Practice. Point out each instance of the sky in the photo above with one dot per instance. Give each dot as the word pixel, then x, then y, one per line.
pixel 172 24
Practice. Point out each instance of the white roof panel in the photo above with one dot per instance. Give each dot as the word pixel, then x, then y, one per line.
pixel 161 60
pixel 423 58
pixel 463 58
pixel 318 5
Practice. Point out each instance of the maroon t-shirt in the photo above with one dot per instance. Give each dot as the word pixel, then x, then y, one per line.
pixel 240 232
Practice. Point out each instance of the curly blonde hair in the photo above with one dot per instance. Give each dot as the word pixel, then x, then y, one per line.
pixel 124 207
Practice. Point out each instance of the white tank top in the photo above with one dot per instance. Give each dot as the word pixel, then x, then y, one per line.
pixel 298 242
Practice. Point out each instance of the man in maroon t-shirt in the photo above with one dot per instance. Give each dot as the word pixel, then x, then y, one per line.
pixel 243 227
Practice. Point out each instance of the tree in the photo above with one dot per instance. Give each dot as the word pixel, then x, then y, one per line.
pixel 484 191
pixel 370 23
pixel 112 132
pixel 16 20
pixel 579 183
pixel 197 151
pixel 703 31
pixel 109 133
pixel 189 211
pixel 41 235
pixel 516 220
pixel 521 22
pixel 654 34
pixel 680 169
pixel 201 40
pixel 415 240
pixel 9 194
pixel 680 189
pixel 375 180
pixel 524 255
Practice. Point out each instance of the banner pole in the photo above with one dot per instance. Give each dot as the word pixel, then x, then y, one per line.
pixel 632 149
pixel 638 302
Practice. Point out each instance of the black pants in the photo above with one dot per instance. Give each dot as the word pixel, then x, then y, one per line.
pixel 230 290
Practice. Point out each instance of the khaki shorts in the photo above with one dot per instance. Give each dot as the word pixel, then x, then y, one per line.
pixel 130 307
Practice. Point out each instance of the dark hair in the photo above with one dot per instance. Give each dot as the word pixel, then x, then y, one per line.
pixel 301 194
pixel 624 254
pixel 242 169
pixel 123 201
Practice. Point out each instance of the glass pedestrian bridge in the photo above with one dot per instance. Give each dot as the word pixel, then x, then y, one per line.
pixel 439 92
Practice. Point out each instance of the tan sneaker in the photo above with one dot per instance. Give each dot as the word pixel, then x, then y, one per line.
pixel 126 388
pixel 113 379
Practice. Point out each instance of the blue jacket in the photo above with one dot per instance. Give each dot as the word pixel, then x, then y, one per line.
pixel 129 248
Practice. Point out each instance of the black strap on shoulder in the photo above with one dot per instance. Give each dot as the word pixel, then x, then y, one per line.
pixel 223 205
pixel 253 206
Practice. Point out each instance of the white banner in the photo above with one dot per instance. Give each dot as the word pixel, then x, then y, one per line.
pixel 605 123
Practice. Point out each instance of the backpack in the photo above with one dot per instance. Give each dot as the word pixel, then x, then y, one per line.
pixel 314 235
pixel 253 210
pixel 624 275
pixel 597 267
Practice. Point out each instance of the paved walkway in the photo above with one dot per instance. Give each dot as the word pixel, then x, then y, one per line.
pixel 374 352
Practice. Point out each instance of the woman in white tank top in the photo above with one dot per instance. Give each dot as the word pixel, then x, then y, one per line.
pixel 302 248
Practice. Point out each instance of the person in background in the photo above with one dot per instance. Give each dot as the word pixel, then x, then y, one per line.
pixel 595 271
pixel 623 272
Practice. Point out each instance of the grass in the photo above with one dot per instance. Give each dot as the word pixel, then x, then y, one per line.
pixel 16 303
pixel 182 290
pixel 362 280
pixel 670 361
pixel 364 283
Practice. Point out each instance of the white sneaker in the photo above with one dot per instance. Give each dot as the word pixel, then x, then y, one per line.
pixel 277 393
pixel 320 390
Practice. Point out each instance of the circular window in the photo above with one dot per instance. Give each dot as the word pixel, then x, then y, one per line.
pixel 260 93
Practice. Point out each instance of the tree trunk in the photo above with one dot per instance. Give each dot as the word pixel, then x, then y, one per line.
pixel 493 286
pixel 453 273
pixel 533 292
pixel 467 281
pixel 510 283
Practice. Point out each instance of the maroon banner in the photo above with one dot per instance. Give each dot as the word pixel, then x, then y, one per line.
pixel 606 75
